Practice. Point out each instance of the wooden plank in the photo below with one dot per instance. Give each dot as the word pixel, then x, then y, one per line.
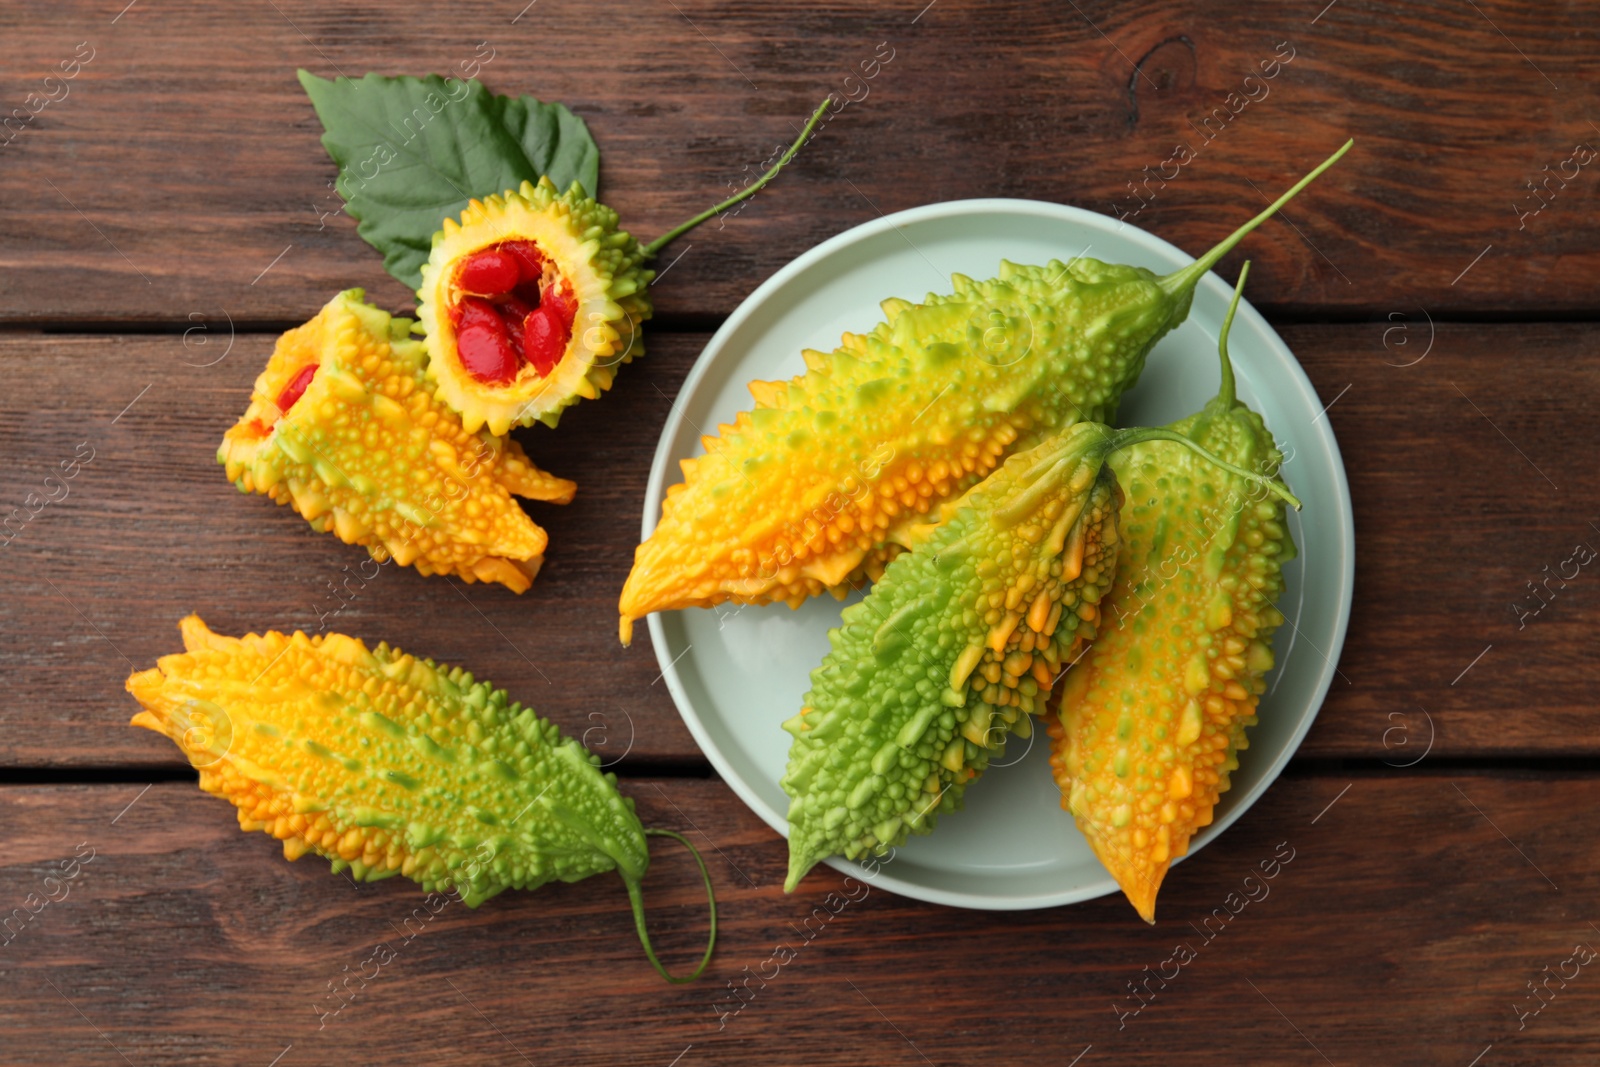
pixel 1444 457
pixel 1459 446
pixel 1399 924
pixel 151 530
pixel 172 181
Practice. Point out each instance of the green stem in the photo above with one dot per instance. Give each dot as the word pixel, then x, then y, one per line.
pixel 654 247
pixel 636 896
pixel 1181 280
pixel 1226 393
pixel 1139 435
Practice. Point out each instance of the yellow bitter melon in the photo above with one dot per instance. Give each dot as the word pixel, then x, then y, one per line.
pixel 820 484
pixel 533 298
pixel 1149 724
pixel 344 427
pixel 529 302
pixel 387 764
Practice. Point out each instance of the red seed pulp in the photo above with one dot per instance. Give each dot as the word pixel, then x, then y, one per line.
pixel 514 311
pixel 542 343
pixel 482 342
pixel 296 387
pixel 530 261
pixel 488 273
pixel 517 310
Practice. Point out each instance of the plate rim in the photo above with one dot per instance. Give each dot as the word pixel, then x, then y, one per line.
pixel 656 486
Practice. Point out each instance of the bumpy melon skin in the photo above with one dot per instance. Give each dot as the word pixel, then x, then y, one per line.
pixel 819 485
pixel 370 453
pixel 604 266
pixel 955 648
pixel 387 764
pixel 1146 730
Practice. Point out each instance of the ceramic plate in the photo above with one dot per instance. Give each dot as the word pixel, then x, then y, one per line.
pixel 736 673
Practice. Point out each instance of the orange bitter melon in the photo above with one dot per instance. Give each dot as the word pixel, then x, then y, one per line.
pixel 529 302
pixel 1148 725
pixel 821 483
pixel 533 298
pixel 344 427
pixel 387 764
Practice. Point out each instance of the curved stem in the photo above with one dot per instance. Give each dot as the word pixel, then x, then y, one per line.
pixel 1226 393
pixel 1124 438
pixel 654 247
pixel 636 897
pixel 1181 280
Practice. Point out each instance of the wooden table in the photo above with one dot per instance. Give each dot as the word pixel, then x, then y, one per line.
pixel 162 222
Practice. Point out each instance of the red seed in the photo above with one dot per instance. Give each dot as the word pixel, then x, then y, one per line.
pixel 489 273
pixel 545 339
pixel 513 312
pixel 487 354
pixel 514 307
pixel 530 261
pixel 296 387
pixel 558 298
pixel 514 336
pixel 472 311
pixel 483 345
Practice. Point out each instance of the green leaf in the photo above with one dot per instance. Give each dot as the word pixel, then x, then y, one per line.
pixel 412 152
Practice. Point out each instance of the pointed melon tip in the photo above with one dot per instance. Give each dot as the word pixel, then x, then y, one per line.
pixel 145 686
pixel 800 864
pixel 1141 889
pixel 196 634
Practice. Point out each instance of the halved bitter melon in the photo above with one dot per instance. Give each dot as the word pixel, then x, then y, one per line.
pixel 529 302
pixel 345 427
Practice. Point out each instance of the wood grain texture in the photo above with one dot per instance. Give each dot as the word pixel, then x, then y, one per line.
pixel 173 179
pixel 152 530
pixel 171 209
pixel 1471 476
pixel 1444 457
pixel 1399 926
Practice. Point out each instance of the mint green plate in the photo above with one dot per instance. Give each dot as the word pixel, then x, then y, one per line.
pixel 737 672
